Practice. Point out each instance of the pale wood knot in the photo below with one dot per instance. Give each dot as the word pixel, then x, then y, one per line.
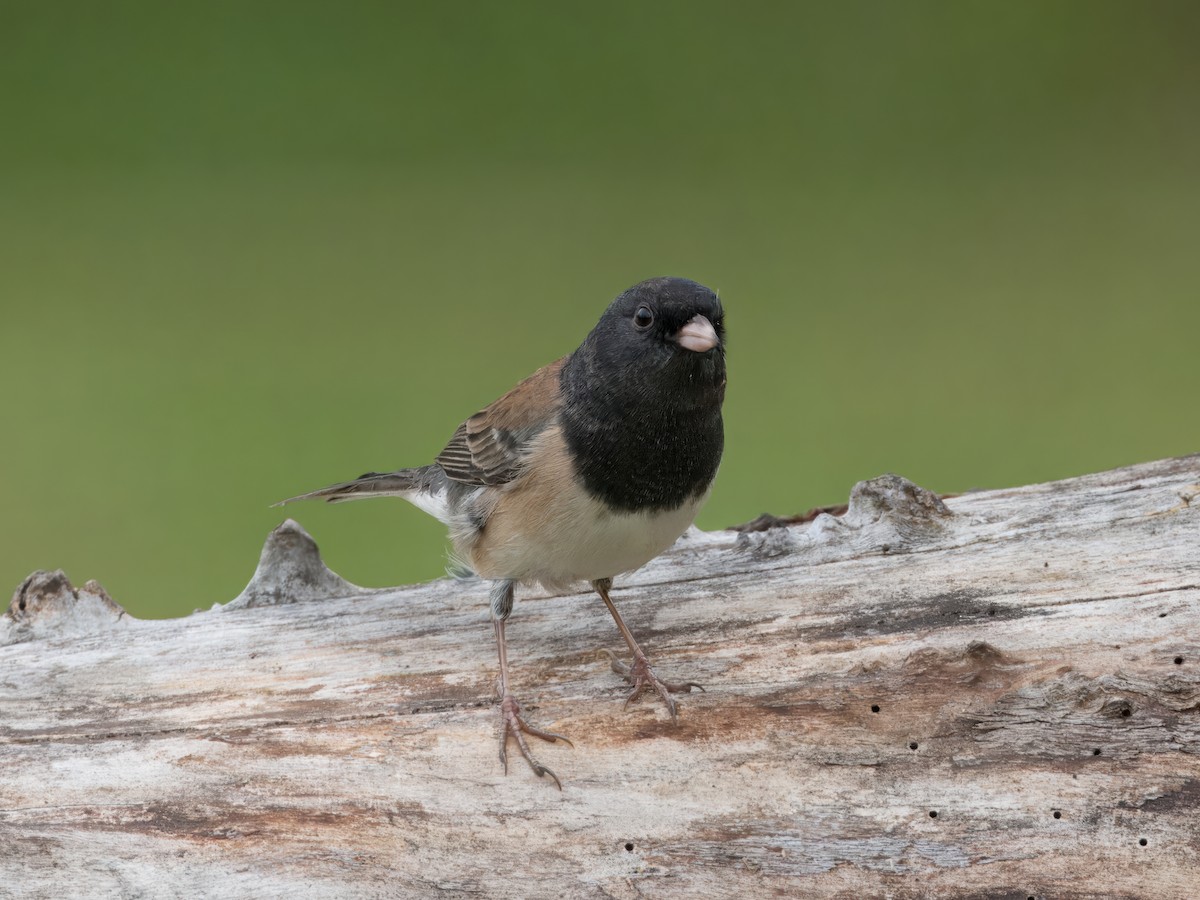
pixel 290 570
pixel 46 604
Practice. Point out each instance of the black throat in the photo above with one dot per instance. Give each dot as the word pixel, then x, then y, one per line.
pixel 644 441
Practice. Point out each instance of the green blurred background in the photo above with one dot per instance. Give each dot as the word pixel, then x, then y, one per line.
pixel 247 249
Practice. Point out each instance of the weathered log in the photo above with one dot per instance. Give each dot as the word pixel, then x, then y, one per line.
pixel 995 695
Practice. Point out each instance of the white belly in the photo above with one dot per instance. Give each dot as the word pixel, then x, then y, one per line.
pixel 591 543
pixel 546 528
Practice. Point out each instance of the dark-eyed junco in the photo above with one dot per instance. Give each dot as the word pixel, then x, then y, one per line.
pixel 588 468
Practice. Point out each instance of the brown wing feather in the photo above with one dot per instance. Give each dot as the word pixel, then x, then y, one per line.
pixel 489 448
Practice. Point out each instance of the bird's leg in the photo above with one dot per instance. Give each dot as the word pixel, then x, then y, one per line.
pixel 640 674
pixel 511 723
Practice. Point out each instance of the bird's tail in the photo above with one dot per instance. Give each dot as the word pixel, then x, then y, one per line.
pixel 402 483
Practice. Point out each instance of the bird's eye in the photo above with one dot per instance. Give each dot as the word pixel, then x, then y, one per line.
pixel 643 318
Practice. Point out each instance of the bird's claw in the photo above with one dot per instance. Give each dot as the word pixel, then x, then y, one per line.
pixel 641 675
pixel 512 724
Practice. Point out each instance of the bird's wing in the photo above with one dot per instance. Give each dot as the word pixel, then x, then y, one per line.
pixel 490 447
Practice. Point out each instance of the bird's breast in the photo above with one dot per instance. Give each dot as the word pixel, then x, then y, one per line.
pixel 653 453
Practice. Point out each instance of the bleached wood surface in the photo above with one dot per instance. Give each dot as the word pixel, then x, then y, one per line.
pixel 1030 652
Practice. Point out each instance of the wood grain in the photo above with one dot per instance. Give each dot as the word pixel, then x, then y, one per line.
pixel 1025 664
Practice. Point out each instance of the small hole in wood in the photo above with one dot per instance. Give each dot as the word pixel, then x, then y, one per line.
pixel 1142 842
pixel 1126 713
pixel 1162 615
pixel 991 612
pixel 1179 660
pixel 912 745
pixel 629 847
pixel 874 707
pixel 1057 814
pixel 1096 752
pixel 933 814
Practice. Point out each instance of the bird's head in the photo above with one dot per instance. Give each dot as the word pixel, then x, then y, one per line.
pixel 668 332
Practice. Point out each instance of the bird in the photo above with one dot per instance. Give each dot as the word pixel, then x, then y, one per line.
pixel 586 470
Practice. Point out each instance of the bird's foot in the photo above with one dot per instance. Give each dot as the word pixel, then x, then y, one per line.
pixel 641 675
pixel 511 724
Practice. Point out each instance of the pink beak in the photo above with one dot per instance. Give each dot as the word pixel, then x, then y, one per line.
pixel 698 335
